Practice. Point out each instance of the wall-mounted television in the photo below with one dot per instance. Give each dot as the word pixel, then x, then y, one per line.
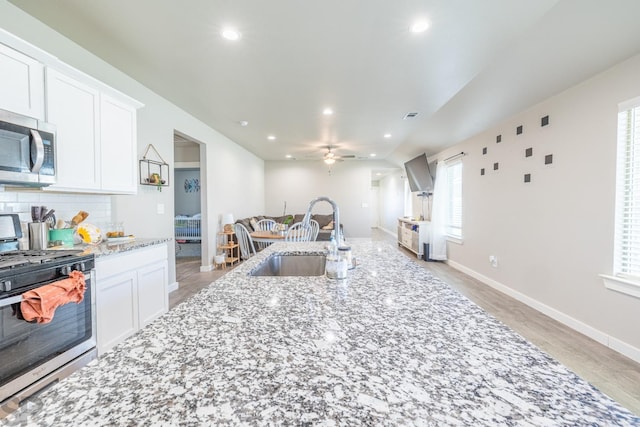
pixel 420 175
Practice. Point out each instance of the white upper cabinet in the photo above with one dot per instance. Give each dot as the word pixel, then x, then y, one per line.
pixel 118 148
pixel 73 107
pixel 21 83
pixel 96 131
pixel 96 137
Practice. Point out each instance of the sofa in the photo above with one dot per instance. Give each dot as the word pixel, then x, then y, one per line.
pixel 323 220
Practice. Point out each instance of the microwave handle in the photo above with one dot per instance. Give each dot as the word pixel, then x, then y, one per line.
pixel 37 140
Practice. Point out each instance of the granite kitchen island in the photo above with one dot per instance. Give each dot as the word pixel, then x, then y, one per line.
pixel 390 345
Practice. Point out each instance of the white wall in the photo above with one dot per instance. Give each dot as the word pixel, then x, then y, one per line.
pixel 391 196
pixel 234 177
pixel 299 182
pixel 554 235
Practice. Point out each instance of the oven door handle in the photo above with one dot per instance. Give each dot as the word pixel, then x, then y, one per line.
pixel 9 301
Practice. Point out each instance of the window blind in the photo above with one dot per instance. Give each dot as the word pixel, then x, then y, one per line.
pixel 627 222
pixel 454 199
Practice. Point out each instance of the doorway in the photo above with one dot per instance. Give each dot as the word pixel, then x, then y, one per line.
pixel 188 200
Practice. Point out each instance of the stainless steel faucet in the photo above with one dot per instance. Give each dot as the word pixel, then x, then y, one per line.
pixel 336 217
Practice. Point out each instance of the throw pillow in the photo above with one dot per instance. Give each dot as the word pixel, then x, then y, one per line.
pixel 328 226
pixel 254 223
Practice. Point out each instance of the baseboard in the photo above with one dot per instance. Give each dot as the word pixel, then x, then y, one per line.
pixel 624 348
pixel 205 268
pixel 575 324
pixel 173 287
pixel 388 232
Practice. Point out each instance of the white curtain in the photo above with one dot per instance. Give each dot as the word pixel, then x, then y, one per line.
pixel 437 238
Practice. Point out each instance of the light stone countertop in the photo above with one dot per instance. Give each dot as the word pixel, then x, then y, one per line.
pixel 111 248
pixel 390 345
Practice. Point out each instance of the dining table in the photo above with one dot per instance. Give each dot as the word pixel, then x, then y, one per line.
pixel 266 236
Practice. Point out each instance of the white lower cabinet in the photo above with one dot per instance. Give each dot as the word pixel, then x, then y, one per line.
pixel 413 235
pixel 116 302
pixel 132 291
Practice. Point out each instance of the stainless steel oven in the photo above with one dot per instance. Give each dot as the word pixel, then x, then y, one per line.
pixel 27 151
pixel 33 355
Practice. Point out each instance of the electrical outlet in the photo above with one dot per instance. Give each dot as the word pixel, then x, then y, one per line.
pixel 493 260
pixel 160 209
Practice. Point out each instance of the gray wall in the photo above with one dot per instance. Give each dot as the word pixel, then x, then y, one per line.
pixel 553 236
pixel 187 199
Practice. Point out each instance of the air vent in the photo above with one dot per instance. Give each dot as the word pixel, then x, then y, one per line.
pixel 409 116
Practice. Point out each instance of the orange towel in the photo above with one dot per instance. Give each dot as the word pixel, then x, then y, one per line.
pixel 40 304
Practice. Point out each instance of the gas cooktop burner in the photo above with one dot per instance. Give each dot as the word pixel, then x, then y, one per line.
pixel 13 259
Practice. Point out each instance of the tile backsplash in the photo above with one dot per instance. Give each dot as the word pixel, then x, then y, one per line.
pixel 66 205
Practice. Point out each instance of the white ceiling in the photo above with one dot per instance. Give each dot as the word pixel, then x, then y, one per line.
pixel 477 64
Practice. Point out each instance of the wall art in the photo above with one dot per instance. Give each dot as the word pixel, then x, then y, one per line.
pixel 192 185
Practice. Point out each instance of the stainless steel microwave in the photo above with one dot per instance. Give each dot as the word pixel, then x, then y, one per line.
pixel 27 151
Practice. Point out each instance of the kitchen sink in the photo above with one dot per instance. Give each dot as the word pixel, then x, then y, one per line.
pixel 291 265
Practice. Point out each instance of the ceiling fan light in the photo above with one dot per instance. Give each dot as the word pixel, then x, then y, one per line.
pixel 329 160
pixel 419 26
pixel 230 33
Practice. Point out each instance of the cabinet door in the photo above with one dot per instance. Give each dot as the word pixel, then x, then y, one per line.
pixel 407 237
pixel 118 148
pixel 153 299
pixel 116 309
pixel 73 107
pixel 21 83
pixel 415 243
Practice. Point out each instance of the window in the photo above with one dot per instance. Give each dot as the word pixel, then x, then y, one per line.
pixel 453 223
pixel 627 221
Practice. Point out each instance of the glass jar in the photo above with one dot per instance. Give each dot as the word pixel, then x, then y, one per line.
pixel 336 265
pixel 345 253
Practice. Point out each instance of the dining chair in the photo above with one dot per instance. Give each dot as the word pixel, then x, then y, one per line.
pixel 315 229
pixel 265 224
pixel 298 232
pixel 247 249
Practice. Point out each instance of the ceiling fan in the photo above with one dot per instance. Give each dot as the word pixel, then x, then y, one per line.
pixel 330 157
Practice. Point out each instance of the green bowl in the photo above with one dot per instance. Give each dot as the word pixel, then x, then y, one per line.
pixel 64 235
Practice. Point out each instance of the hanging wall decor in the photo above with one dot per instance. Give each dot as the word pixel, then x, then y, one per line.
pixel 154 172
pixel 192 185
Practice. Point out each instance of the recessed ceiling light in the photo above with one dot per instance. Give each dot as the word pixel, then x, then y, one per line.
pixel 419 26
pixel 387 135
pixel 327 111
pixel 243 123
pixel 378 174
pixel 288 156
pixel 372 154
pixel 230 33
pixel 271 138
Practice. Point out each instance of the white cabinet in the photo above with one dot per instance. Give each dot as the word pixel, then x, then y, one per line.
pixel 132 291
pixel 151 302
pixel 74 109
pixel 116 302
pixel 21 83
pixel 96 137
pixel 118 147
pixel 413 235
